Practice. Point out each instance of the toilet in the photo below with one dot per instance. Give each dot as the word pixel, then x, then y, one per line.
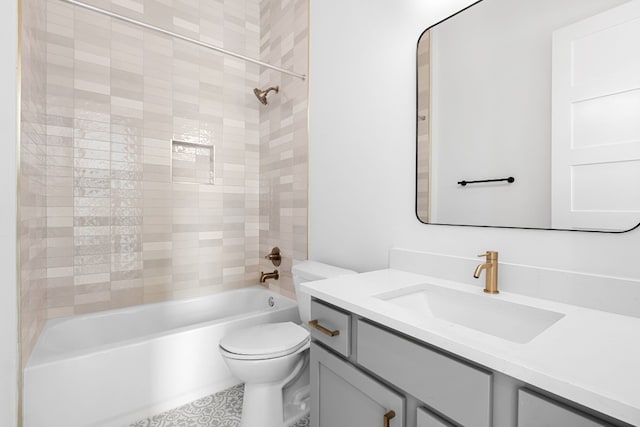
pixel 272 359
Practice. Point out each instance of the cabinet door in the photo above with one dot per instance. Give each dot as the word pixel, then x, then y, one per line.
pixel 428 419
pixel 538 411
pixel 455 389
pixel 343 396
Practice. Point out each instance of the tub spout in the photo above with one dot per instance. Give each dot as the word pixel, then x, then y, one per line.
pixel 266 276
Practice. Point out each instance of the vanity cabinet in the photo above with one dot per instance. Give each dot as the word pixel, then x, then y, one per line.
pixel 427 418
pixel 536 411
pixel 331 327
pixel 382 378
pixel 456 389
pixel 345 396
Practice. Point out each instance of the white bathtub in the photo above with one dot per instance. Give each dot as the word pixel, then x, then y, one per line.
pixel 113 368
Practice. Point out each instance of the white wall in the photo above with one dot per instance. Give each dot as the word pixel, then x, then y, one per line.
pixel 8 298
pixel 362 152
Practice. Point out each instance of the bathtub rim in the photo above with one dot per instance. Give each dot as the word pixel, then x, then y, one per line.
pixel 37 361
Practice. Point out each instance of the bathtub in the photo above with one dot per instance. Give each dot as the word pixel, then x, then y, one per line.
pixel 115 367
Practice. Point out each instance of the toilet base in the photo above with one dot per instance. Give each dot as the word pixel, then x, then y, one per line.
pixel 262 406
pixel 278 404
pixel 296 404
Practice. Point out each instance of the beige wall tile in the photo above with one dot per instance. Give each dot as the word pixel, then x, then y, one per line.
pixel 34 203
pixel 103 224
pixel 284 139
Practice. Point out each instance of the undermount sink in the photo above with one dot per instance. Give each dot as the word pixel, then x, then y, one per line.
pixel 484 313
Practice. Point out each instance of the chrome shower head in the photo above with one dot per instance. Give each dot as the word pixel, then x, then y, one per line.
pixel 262 94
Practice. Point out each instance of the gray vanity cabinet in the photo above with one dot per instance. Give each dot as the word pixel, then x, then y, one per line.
pixel 343 396
pixel 331 327
pixel 427 418
pixel 459 391
pixel 367 371
pixel 537 411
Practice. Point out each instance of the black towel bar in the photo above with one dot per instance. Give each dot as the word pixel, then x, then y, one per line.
pixel 509 180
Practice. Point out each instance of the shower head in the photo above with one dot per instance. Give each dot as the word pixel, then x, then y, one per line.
pixel 262 94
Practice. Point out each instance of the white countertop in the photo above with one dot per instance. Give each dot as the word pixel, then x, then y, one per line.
pixel 590 357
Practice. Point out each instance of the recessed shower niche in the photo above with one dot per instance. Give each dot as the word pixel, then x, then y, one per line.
pixel 192 163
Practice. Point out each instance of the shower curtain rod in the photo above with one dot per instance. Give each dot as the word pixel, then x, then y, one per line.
pixel 181 37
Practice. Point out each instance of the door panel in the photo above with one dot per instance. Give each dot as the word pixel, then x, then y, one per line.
pixel 596 121
pixel 343 396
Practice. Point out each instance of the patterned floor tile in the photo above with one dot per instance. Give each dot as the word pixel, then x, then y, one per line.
pixel 222 409
pixel 302 423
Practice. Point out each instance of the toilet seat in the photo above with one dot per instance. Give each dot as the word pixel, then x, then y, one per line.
pixel 266 341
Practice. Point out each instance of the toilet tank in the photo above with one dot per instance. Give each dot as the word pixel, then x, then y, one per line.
pixel 308 271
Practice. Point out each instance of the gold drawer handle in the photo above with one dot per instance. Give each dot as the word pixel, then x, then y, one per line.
pixel 388 417
pixel 314 324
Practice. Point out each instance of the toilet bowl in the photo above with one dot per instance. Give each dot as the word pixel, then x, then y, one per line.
pixel 273 359
pixel 266 358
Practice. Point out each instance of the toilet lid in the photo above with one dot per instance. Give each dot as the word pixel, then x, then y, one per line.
pixel 269 339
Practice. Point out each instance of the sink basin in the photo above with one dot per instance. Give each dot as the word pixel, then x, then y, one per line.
pixel 484 313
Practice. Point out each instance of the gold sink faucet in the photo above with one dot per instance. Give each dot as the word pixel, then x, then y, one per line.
pixel 491 285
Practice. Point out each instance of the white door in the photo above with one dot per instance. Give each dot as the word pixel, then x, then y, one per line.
pixel 596 121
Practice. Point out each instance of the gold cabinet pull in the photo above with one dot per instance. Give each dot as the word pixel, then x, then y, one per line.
pixel 330 333
pixel 388 417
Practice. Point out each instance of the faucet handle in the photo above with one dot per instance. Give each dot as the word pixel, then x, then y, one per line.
pixel 491 255
pixel 274 256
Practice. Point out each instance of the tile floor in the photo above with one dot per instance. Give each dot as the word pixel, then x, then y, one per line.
pixel 222 409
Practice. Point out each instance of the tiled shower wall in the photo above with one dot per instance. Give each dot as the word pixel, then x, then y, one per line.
pixel 122 228
pixel 284 138
pixel 117 96
pixel 33 202
pixel 424 132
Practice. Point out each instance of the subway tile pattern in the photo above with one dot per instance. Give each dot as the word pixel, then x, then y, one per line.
pixel 34 201
pixel 223 409
pixel 119 95
pixel 104 224
pixel 284 138
pixel 424 133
